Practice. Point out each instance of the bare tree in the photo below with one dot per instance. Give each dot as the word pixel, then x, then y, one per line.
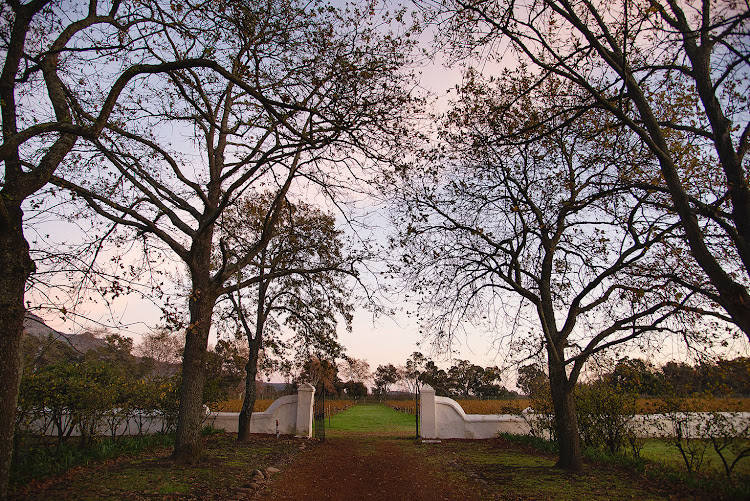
pixel 66 68
pixel 162 345
pixel 294 87
pixel 644 63
pixel 542 236
pixel 355 369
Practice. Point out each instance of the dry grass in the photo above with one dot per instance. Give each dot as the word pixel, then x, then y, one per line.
pixel 645 405
pixel 494 406
pixel 235 405
pixel 725 404
pixel 261 404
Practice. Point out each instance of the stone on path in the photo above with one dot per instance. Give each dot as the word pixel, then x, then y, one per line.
pixel 257 476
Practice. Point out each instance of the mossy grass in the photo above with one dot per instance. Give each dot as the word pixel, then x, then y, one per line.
pixel 661 461
pixel 223 468
pixel 33 459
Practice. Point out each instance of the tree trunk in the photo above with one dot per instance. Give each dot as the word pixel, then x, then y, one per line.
pixel 255 344
pixel 251 368
pixel 15 268
pixel 566 422
pixel 190 418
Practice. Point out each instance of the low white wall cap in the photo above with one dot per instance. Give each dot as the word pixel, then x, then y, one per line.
pixel 493 418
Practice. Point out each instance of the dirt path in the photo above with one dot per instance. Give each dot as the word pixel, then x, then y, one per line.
pixel 352 467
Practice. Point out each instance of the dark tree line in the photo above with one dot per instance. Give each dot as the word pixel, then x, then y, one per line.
pixel 719 377
pixel 462 379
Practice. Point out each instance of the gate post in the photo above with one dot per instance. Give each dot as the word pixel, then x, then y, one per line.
pixel 305 403
pixel 427 410
pixel 417 411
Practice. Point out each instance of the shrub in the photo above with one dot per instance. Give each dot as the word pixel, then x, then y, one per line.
pixel 605 414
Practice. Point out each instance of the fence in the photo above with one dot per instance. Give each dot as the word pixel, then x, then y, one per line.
pixel 292 415
pixel 443 417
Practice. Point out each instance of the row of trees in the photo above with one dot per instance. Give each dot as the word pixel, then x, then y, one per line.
pixel 158 117
pixel 639 377
pixel 462 379
pixel 720 377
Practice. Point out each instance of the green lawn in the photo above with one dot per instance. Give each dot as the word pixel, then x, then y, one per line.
pixel 510 472
pixel 661 451
pixel 152 475
pixel 372 419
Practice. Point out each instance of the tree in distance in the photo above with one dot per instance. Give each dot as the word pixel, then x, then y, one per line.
pixel 385 377
pixel 301 284
pixel 355 369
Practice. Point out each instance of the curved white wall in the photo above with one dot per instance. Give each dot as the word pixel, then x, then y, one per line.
pixel 443 417
pixel 294 414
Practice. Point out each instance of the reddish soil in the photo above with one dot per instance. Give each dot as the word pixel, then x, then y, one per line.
pixel 346 468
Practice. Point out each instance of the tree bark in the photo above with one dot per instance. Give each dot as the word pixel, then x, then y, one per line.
pixel 15 268
pixel 566 421
pixel 243 432
pixel 188 446
pixel 255 344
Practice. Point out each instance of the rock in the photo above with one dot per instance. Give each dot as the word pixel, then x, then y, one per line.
pixel 266 473
pixel 271 470
pixel 257 476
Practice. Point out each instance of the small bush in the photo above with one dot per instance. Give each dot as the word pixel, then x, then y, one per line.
pixel 532 441
pixel 605 413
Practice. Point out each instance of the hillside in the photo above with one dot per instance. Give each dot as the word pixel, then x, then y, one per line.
pixel 34 325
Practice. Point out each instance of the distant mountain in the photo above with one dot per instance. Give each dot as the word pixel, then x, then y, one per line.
pixel 35 326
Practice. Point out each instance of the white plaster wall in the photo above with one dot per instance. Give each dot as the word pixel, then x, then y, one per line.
pixel 694 424
pixel 443 417
pixel 285 410
pixel 453 422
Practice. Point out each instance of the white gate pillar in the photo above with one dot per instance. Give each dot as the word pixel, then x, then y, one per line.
pixel 427 412
pixel 305 402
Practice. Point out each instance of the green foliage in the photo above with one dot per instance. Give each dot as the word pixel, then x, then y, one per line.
pixel 34 460
pixel 67 396
pixel 617 458
pixel 605 413
pixel 532 441
pixel 209 430
pixel 385 376
pixel 84 402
